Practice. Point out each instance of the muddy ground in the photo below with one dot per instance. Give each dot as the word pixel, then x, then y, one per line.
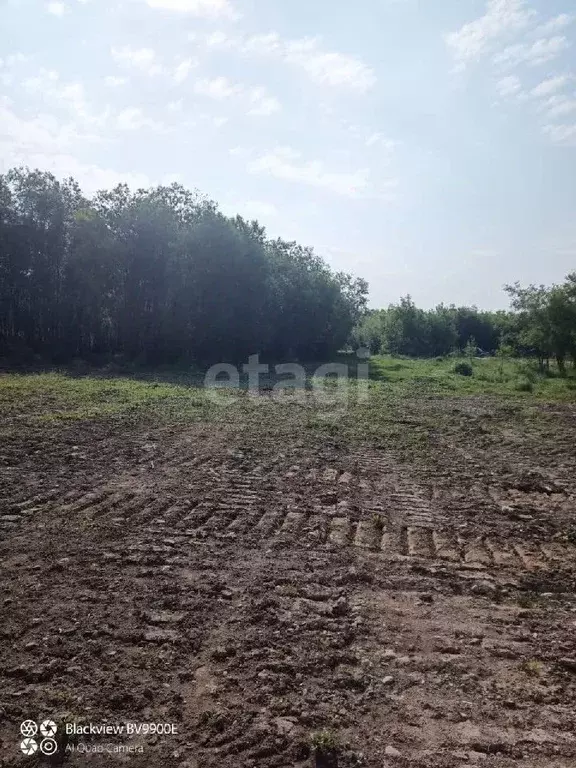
pixel 288 599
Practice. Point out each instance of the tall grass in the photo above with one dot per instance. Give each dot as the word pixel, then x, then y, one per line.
pixel 489 376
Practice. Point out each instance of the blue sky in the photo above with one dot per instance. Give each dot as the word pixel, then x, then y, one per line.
pixel 428 146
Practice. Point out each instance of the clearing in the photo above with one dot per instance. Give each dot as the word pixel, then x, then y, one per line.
pixel 390 586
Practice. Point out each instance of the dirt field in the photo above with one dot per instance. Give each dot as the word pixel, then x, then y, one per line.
pixel 292 596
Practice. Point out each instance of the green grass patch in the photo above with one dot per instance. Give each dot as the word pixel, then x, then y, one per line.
pixel 54 396
pixel 409 406
pixel 476 376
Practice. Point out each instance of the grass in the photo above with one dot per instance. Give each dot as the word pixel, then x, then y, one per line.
pixel 529 600
pixel 323 742
pixel 378 522
pixel 490 376
pixel 54 396
pixel 406 406
pixel 532 667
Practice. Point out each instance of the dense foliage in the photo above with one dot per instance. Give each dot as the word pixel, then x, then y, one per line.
pixel 404 329
pixel 161 275
pixel 158 275
pixel 541 324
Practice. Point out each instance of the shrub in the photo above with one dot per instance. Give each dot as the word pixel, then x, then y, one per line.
pixel 523 385
pixel 527 370
pixel 463 368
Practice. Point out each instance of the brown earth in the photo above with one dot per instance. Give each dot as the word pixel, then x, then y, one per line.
pixel 257 587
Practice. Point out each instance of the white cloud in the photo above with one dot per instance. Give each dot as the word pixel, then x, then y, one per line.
pixel 218 88
pixel 287 164
pixel 551 85
pixel 322 66
pixel 263 105
pixel 183 70
pixel 562 134
pixel 329 68
pixel 133 119
pixel 13 59
pixel 43 81
pixel 147 61
pixel 373 139
pixel 56 8
pixel 502 18
pixel 509 86
pixel 260 102
pixel 112 81
pixel 554 25
pixel 559 106
pixel 143 60
pixel 263 45
pixel 533 54
pixel 48 85
pixel 241 152
pixel 217 39
pixel 206 8
pixel 44 142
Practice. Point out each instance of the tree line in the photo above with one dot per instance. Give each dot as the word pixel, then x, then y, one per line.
pixel 161 275
pixel 540 324
pixel 158 275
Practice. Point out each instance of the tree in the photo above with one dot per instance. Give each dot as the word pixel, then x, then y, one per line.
pixel 158 275
pixel 547 320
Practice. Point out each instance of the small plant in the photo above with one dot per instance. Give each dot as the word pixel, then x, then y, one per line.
pixel 471 348
pixel 503 353
pixel 323 742
pixel 463 368
pixel 528 600
pixel 526 370
pixel 378 522
pixel 523 384
pixel 570 535
pixel 531 667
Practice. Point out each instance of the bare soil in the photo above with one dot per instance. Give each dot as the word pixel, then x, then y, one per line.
pixel 255 587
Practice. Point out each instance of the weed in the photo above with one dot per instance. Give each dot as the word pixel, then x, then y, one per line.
pixel 532 667
pixel 323 742
pixel 463 368
pixel 523 384
pixel 527 370
pixel 570 535
pixel 378 522
pixel 528 600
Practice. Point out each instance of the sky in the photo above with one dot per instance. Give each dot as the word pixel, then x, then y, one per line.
pixel 428 146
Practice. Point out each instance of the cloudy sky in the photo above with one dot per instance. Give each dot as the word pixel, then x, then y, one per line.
pixel 427 145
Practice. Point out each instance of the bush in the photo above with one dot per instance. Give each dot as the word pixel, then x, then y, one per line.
pixel 523 385
pixel 463 369
pixel 527 370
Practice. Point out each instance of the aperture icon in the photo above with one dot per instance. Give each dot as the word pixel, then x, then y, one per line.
pixel 48 728
pixel 28 728
pixel 29 746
